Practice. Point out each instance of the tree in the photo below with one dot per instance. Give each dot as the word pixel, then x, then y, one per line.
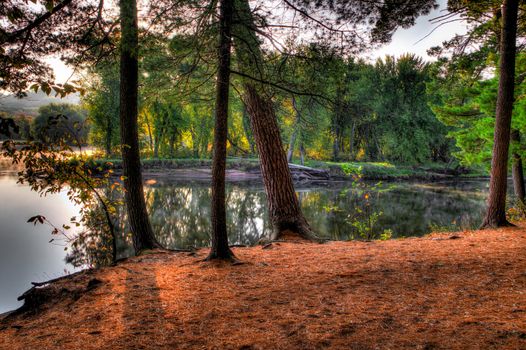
pixel 32 30
pixel 142 233
pixel 61 122
pixel 258 88
pixel 496 211
pixel 102 102
pixel 22 124
pixel 220 249
pixel 284 209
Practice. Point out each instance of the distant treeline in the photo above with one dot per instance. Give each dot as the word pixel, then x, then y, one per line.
pixel 54 123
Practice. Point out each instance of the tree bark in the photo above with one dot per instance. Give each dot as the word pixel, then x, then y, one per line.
pixel 336 146
pixel 517 170
pixel 294 135
pixel 159 136
pixel 496 211
pixel 284 209
pixel 220 248
pixel 142 233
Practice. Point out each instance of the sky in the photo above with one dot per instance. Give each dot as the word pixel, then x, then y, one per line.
pixel 411 40
pixel 405 40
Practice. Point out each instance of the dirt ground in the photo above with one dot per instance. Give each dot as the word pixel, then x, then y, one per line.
pixel 468 292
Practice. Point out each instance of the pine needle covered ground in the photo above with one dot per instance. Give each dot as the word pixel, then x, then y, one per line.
pixel 429 293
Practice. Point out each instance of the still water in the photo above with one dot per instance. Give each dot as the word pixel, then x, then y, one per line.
pixel 180 212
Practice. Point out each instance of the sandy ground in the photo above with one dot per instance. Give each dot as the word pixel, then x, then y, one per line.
pixel 419 293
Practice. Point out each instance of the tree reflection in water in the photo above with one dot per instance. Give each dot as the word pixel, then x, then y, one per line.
pixel 180 212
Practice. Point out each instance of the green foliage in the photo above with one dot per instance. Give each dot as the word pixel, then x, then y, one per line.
pixel 364 217
pixel 466 103
pixel 345 109
pixel 102 104
pixel 60 122
pixel 376 112
pixel 516 211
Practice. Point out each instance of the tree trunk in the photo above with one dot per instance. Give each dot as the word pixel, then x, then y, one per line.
pixel 195 143
pixel 285 212
pixel 109 136
pixel 337 120
pixel 294 135
pixel 518 178
pixel 173 136
pixel 351 141
pixel 142 233
pixel 517 170
pixel 335 146
pixel 150 137
pixel 248 132
pixel 302 154
pixel 290 151
pixel 496 212
pixel 220 249
pixel 159 136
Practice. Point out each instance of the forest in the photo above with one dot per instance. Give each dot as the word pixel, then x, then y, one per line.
pixel 235 174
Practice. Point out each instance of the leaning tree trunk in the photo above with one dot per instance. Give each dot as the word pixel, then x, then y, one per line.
pixel 142 233
pixel 220 249
pixel 284 209
pixel 496 212
pixel 517 171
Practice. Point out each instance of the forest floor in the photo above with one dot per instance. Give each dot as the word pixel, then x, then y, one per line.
pixel 446 291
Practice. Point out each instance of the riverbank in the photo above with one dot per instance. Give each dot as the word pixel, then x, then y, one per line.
pixel 247 169
pixel 462 290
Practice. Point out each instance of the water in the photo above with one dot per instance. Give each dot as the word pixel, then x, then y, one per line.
pixel 180 211
pixel 25 252
pixel 180 214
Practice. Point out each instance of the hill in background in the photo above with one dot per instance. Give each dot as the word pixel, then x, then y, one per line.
pixel 32 102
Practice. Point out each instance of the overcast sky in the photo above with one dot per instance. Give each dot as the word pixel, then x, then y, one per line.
pixel 404 41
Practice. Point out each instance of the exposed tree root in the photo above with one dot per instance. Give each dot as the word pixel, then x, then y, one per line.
pixel 291 231
pixel 226 255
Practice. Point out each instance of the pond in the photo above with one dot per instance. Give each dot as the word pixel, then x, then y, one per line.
pixel 180 214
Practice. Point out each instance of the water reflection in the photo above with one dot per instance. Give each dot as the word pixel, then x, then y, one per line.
pixel 180 212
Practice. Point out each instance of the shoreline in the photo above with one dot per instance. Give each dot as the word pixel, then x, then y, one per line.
pixel 245 170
